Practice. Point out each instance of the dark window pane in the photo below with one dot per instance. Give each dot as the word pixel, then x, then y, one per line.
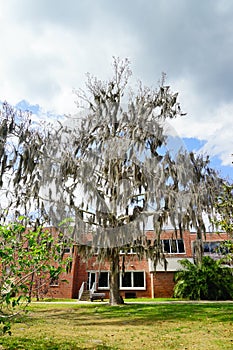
pixel 66 250
pixel 138 278
pixel 54 281
pixel 214 247
pixel 173 246
pixel 166 246
pixel 103 279
pixel 206 247
pixel 180 245
pixel 194 248
pixel 223 248
pixel 126 279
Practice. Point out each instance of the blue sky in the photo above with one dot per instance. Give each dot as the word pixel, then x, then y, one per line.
pixel 191 144
pixel 225 172
pixel 48 46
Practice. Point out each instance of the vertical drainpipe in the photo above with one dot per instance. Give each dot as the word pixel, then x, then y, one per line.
pixel 152 285
pixel 151 271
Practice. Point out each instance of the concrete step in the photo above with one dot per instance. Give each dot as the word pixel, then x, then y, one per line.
pixel 85 296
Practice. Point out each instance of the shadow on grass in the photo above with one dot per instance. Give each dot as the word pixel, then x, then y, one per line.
pixel 79 327
pixel 136 314
pixel 42 344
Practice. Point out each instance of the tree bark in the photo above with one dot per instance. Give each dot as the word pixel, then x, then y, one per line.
pixel 115 297
pixel 198 249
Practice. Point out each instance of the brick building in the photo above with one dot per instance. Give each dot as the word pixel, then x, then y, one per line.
pixel 140 278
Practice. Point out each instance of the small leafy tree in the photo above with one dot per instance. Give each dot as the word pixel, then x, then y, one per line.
pixel 226 250
pixel 208 280
pixel 224 206
pixel 29 259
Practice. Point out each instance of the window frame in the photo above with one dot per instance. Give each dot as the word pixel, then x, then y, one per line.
pixel 213 248
pixel 171 242
pixel 97 274
pixel 130 251
pixel 103 288
pixel 54 282
pixel 132 281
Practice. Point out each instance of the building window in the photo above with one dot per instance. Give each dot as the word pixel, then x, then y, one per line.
pixel 211 247
pixel 66 250
pixel 216 248
pixel 129 250
pixel 138 278
pixel 103 280
pixel 126 280
pixel 132 280
pixel 173 246
pixel 54 282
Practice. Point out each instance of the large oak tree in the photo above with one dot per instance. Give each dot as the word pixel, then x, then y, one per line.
pixel 114 168
pixel 116 171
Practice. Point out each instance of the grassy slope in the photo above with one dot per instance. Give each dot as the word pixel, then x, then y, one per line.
pixel 143 326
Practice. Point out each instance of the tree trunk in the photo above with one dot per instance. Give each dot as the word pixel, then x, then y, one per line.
pixel 115 298
pixel 198 249
pixel 31 286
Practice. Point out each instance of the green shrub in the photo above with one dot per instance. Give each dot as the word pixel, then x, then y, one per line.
pixel 29 260
pixel 209 280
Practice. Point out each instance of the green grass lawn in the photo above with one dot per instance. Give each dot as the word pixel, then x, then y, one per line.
pixel 131 326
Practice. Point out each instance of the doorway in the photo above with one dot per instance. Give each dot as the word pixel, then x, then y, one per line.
pixel 91 280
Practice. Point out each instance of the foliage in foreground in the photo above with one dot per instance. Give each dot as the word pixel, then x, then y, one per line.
pixel 29 259
pixel 224 207
pixel 208 280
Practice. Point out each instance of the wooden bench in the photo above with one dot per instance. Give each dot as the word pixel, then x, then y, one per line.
pixel 96 296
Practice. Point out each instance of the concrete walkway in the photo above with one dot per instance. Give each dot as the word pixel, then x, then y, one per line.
pixel 77 302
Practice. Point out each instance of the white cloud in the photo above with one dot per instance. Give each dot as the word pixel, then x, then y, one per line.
pixel 44 61
pixel 210 122
pixel 48 46
pixel 221 141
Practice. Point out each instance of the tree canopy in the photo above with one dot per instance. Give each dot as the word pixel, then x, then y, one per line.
pixel 21 144
pixel 115 170
pixel 110 169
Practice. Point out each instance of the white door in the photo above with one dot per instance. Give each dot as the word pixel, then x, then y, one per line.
pixel 91 280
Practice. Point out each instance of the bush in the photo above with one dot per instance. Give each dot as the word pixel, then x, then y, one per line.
pixel 209 280
pixel 29 260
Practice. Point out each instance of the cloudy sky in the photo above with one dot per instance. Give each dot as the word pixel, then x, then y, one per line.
pixel 47 46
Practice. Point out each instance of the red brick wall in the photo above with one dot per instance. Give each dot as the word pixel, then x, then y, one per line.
pixel 162 281
pixel 65 284
pixel 163 284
